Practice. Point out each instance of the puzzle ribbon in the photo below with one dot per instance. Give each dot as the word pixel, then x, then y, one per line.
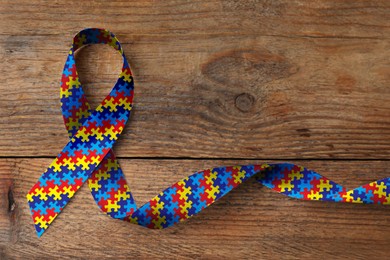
pixel 88 157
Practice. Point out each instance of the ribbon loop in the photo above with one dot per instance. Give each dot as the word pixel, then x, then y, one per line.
pixel 108 176
pixel 89 156
pixel 92 135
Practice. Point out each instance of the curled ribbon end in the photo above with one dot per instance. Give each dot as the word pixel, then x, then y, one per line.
pixel 39 232
pixel 37 219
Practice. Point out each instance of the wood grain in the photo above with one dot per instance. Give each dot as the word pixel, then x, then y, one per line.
pixel 215 80
pixel 250 222
pixel 212 93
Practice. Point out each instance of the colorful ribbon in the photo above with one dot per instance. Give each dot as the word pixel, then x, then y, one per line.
pixel 88 157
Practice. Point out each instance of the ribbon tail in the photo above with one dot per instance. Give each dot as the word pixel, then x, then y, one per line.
pixel 189 196
pixel 377 192
pixel 300 183
pixel 58 184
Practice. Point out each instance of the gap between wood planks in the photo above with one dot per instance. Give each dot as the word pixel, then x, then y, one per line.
pixel 210 158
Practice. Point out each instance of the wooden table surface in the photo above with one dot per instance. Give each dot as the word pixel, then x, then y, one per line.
pixel 217 83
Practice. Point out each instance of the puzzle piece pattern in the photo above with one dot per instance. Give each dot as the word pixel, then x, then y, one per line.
pixel 191 195
pixel 88 158
pixel 107 182
pixel 88 155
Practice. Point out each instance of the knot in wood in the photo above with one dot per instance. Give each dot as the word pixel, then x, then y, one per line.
pixel 244 102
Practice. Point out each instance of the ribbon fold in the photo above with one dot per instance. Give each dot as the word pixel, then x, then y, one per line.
pixel 88 156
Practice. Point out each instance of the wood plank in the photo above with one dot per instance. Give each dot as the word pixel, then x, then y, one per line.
pixel 251 221
pixel 253 79
pixel 329 18
pixel 225 96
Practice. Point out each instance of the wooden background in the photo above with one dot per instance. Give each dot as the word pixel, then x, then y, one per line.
pixel 217 83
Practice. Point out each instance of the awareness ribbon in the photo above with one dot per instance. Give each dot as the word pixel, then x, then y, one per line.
pixel 88 157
